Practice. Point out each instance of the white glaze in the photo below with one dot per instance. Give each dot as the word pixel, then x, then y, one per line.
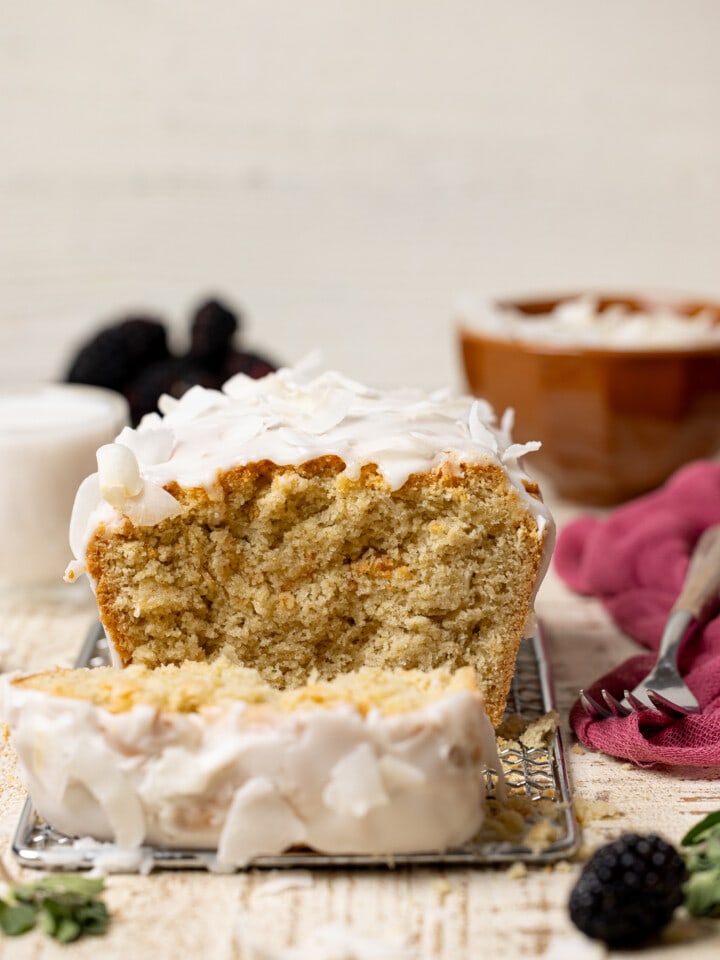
pixel 248 782
pixel 289 418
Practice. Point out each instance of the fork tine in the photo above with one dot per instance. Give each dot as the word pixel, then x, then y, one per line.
pixel 616 708
pixel 637 705
pixel 593 708
pixel 664 705
pixel 658 703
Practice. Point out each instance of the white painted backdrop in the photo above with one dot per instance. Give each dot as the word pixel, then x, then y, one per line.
pixel 345 168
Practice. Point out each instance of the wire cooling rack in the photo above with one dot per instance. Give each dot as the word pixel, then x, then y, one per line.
pixel 535 824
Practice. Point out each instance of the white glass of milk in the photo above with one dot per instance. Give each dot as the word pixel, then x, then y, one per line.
pixel 48 437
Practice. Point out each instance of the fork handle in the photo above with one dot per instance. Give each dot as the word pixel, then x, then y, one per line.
pixel 702 580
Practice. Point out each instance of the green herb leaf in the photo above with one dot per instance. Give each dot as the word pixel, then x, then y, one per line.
pixel 68 930
pixel 695 834
pixel 702 893
pixel 48 921
pixel 16 918
pixel 94 918
pixel 60 884
pixel 702 859
pixel 65 906
pixel 23 892
pixel 73 883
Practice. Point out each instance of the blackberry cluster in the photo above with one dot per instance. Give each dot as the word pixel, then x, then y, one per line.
pixel 108 359
pixel 133 358
pixel 628 890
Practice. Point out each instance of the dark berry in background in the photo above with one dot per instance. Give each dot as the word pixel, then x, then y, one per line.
pixel 628 890
pixel 251 364
pixel 211 334
pixel 115 354
pixel 173 376
pixel 145 340
pixel 132 357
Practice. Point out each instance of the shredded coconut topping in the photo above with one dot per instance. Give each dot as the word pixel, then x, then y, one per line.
pixel 290 417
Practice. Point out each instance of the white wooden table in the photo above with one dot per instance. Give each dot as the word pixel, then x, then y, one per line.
pixel 458 914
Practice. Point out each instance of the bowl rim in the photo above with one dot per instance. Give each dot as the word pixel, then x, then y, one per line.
pixel 687 305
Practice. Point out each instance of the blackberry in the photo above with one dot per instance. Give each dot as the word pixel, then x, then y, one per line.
pixel 213 328
pixel 251 364
pixel 628 890
pixel 145 340
pixel 115 355
pixel 174 376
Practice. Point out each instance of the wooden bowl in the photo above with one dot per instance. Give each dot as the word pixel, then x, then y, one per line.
pixel 614 423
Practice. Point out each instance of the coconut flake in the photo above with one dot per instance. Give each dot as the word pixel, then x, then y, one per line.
pixel 246 429
pixel 507 422
pixel 166 404
pixel 332 408
pixel 259 821
pixel 239 387
pixel 305 370
pixel 150 445
pixel 153 505
pixel 86 500
pixel 150 421
pixel 196 402
pixel 517 450
pixel 398 774
pixel 480 431
pixel 119 473
pixel 355 785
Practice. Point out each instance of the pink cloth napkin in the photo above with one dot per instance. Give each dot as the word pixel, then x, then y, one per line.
pixel 635 561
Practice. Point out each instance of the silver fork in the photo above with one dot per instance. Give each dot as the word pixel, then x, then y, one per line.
pixel 663 688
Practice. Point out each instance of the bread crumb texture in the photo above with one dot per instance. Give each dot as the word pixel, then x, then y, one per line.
pixel 191 686
pixel 299 572
pixel 537 734
pixel 522 821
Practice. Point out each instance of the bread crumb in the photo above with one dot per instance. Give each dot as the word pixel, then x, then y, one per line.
pixel 504 744
pixel 589 810
pixel 628 766
pixel 517 729
pixel 519 820
pixel 517 870
pixel 537 734
pixel 584 852
pixel 541 835
pixel 578 749
pixel 562 866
